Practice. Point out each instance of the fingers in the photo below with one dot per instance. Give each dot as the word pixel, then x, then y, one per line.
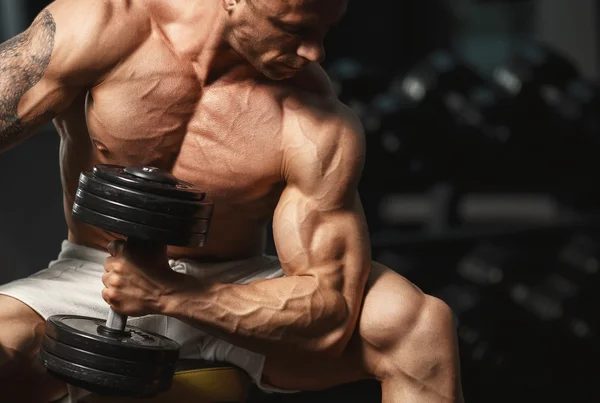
pixel 105 295
pixel 109 297
pixel 116 247
pixel 105 278
pixel 112 285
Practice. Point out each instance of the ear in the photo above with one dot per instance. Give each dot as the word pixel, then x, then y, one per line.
pixel 228 5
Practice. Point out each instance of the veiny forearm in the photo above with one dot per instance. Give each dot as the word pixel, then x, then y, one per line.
pixel 23 62
pixel 266 316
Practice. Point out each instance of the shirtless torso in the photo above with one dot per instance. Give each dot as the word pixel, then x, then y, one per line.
pixel 228 95
pixel 155 107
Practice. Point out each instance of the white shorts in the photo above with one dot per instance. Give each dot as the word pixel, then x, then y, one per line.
pixel 72 285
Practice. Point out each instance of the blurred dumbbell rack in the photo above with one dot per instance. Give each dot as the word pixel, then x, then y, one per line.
pixel 525 296
pixel 512 245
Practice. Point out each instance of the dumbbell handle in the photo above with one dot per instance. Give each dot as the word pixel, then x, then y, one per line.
pixel 115 321
pixel 114 326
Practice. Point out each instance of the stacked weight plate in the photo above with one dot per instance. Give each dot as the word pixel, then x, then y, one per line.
pixel 121 200
pixel 140 364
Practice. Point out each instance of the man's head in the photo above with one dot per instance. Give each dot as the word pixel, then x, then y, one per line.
pixel 281 37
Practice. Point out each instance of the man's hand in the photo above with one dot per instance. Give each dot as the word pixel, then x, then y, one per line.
pixel 137 279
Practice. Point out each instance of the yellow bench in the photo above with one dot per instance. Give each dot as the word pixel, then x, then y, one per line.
pixel 196 381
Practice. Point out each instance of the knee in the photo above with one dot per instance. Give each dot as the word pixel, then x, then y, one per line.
pixel 391 308
pixel 420 319
pixel 19 342
pixel 436 323
pixel 21 335
pixel 428 347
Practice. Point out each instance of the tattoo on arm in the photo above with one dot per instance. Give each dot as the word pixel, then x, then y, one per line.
pixel 23 62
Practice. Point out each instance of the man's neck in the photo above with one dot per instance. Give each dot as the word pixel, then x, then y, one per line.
pixel 198 32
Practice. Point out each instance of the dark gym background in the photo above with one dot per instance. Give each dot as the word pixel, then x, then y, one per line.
pixel 486 201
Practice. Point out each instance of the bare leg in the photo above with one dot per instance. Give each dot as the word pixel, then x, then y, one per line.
pixel 404 338
pixel 22 378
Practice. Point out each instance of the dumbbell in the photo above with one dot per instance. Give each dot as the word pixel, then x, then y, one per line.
pixel 557 299
pixel 532 66
pixel 440 72
pixel 577 108
pixel 152 209
pixel 428 105
pixel 533 83
pixel 476 293
pixel 575 281
pixel 394 140
pixel 477 328
pixel 503 268
pixel 525 119
pixel 515 318
pixel 356 82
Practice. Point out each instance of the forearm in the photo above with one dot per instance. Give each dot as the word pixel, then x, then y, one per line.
pixel 17 131
pixel 266 316
pixel 13 130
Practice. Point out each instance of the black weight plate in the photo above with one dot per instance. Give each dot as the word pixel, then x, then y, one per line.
pixel 140 216
pixel 146 201
pixel 142 346
pixel 153 174
pixel 139 231
pixel 117 174
pixel 113 365
pixel 102 382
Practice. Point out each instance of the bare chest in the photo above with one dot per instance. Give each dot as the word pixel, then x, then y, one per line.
pixel 224 138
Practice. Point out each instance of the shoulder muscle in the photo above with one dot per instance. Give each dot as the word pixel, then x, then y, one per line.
pixel 324 151
pixel 92 36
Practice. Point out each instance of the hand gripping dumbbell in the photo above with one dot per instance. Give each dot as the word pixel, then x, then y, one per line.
pixel 153 209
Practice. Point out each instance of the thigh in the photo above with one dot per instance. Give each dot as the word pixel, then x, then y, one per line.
pixel 69 287
pixel 22 378
pixel 389 300
pixel 309 372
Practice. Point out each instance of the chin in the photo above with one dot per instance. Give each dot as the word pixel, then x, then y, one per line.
pixel 283 76
pixel 278 75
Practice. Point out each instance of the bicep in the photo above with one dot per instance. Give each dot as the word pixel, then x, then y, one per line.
pixel 330 245
pixel 322 243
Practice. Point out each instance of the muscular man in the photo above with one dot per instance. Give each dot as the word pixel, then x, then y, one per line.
pixel 228 95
